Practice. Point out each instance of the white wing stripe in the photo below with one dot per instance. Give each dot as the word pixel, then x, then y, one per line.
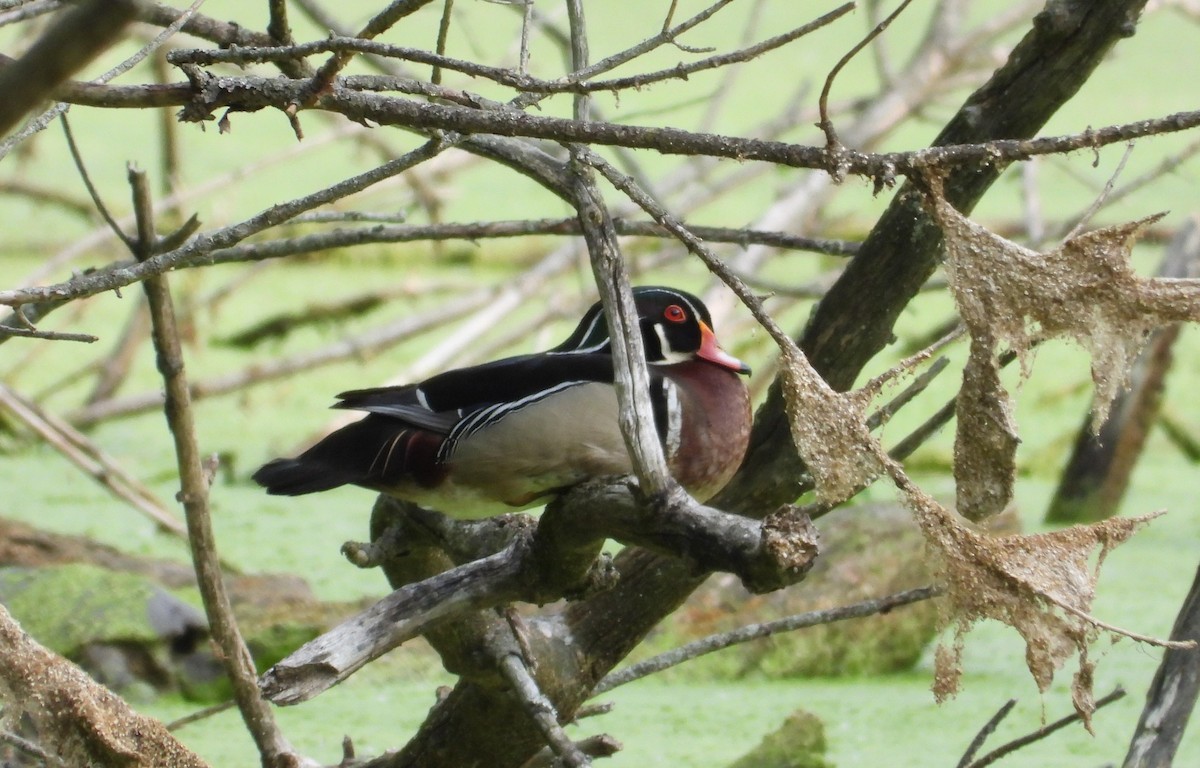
pixel 486 417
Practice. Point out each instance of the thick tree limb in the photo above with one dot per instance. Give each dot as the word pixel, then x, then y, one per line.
pixel 79 719
pixel 402 615
pixel 76 37
pixel 553 560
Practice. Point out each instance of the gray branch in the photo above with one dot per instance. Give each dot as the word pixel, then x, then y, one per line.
pixel 541 564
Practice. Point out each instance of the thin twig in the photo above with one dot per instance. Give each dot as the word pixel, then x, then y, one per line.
pixel 1031 204
pixel 717 642
pixel 7 330
pixel 23 10
pixel 256 713
pixel 541 711
pixel 126 274
pixel 519 80
pixel 342 349
pixel 916 387
pixel 87 456
pixel 1041 733
pixel 30 748
pixel 97 238
pixel 1103 196
pixel 403 233
pixel 201 714
pixel 694 245
pixel 443 35
pixel 826 125
pixel 526 25
pixel 987 730
pixel 1166 166
pixel 379 23
pixel 1179 645
pixel 91 188
pixel 113 372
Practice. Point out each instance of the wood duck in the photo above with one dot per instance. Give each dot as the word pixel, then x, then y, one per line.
pixel 509 434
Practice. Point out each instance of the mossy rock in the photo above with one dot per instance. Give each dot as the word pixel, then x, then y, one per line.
pixel 124 629
pixel 138 622
pixel 798 743
pixel 66 607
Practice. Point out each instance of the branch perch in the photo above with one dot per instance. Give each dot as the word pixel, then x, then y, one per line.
pixel 766 555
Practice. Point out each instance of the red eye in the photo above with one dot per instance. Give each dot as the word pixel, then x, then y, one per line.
pixel 675 313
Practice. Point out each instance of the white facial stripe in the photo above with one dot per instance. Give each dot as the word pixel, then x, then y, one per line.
pixel 590 330
pixel 422 399
pixel 668 355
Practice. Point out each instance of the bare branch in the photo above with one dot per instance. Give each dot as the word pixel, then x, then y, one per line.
pixel 682 71
pixel 378 24
pixel 85 455
pixel 443 34
pixel 401 616
pixel 278 27
pixel 826 125
pixel 22 10
pixel 201 714
pixel 541 710
pixel 1041 733
pixel 28 331
pixel 44 119
pixel 91 188
pixel 342 349
pixel 543 565
pixel 78 36
pixel 1102 197
pixel 259 719
pixel 987 730
pixel 126 274
pixel 707 645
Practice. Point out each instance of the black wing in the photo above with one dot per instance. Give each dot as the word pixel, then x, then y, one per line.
pixel 440 402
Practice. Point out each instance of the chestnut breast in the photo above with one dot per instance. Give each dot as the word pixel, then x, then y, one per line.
pixel 714 429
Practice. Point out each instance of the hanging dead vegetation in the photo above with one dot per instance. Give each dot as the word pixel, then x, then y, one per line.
pixel 1042 585
pixel 1084 290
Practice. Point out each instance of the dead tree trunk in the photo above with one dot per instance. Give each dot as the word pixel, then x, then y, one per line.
pixel 1172 694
